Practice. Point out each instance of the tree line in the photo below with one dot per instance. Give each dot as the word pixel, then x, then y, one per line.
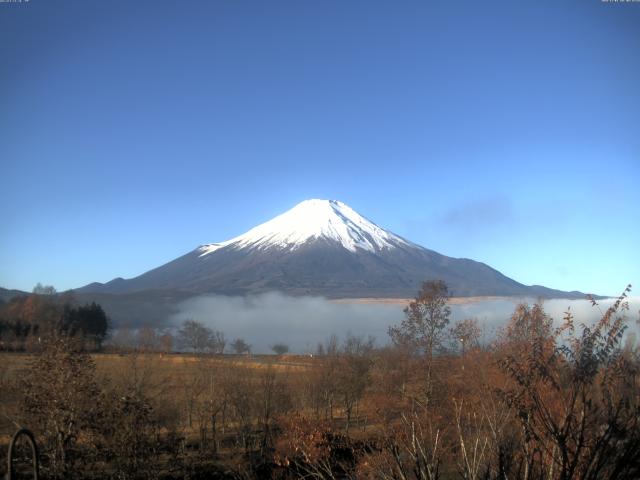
pixel 26 321
pixel 192 336
pixel 540 402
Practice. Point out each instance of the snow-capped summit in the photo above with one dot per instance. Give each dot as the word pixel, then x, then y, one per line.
pixel 312 220
pixel 319 247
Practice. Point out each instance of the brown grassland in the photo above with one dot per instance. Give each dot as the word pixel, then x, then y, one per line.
pixel 538 403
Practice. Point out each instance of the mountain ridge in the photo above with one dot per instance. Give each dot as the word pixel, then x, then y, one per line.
pixel 321 247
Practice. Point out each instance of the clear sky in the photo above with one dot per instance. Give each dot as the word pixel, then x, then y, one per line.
pixel 503 131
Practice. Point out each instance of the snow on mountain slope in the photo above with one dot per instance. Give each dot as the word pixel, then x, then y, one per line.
pixel 319 247
pixel 314 219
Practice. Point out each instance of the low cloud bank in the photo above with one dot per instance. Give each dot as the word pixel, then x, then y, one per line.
pixel 301 322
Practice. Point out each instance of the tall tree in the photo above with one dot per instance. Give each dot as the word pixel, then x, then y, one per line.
pixel 426 318
pixel 423 330
pixel 353 373
pixel 90 321
pixel 194 336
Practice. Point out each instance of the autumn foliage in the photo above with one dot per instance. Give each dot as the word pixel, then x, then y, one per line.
pixel 26 322
pixel 544 400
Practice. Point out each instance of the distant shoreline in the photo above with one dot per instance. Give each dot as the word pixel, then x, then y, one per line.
pixel 452 300
pixel 405 301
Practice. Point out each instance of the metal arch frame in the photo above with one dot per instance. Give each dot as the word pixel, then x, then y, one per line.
pixel 34 453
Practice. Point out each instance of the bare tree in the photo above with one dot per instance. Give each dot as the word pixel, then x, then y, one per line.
pixel 129 432
pixel 427 316
pixel 217 342
pixel 411 450
pixel 423 331
pixel 323 378
pixel 165 341
pixel 577 404
pixel 194 336
pixel 466 335
pixel 61 400
pixel 242 400
pixel 210 401
pixel 199 338
pixel 353 373
pixel 147 339
pixel 123 339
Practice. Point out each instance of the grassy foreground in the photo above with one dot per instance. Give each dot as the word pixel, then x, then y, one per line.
pixel 539 403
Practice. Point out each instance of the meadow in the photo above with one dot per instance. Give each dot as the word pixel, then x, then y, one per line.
pixel 541 401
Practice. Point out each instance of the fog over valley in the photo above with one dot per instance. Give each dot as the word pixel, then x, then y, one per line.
pixel 301 322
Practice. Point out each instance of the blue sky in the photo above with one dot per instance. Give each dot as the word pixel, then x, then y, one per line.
pixel 507 132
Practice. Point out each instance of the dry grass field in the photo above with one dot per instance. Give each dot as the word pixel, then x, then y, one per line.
pixel 540 402
pixel 163 374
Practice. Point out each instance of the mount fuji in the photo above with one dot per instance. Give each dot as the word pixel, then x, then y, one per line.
pixel 319 247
